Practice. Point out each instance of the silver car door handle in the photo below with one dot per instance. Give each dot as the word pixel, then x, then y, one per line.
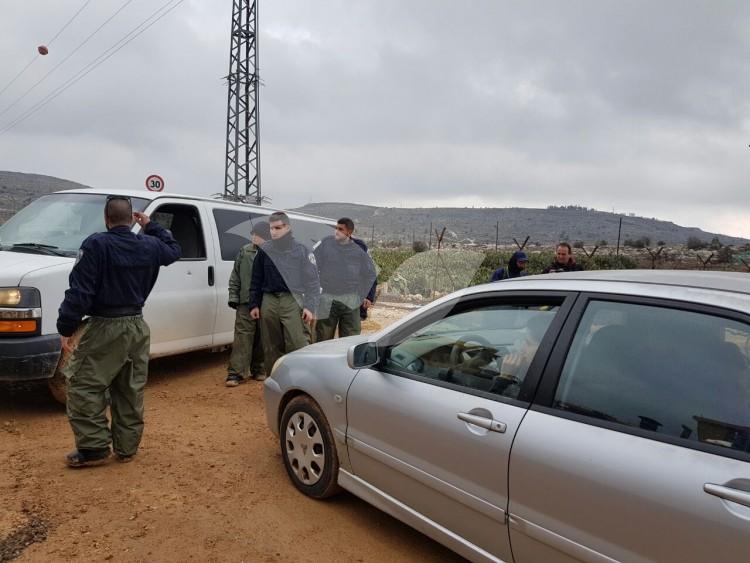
pixel 488 423
pixel 728 493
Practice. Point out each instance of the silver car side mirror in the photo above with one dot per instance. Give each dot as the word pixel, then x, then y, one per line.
pixel 363 355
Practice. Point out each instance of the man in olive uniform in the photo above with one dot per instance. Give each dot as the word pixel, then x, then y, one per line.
pixel 247 349
pixel 110 282
pixel 346 274
pixel 284 291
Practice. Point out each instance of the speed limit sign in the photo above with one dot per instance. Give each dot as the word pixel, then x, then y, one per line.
pixel 154 183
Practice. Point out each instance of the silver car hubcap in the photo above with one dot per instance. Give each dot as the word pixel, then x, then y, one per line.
pixel 304 448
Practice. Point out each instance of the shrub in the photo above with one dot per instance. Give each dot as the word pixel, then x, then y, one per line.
pixel 419 246
pixel 611 262
pixel 694 243
pixel 724 255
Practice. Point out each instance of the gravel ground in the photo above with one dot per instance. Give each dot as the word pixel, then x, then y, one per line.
pixel 208 484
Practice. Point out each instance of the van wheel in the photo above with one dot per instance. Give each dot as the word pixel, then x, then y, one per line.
pixel 57 384
pixel 308 449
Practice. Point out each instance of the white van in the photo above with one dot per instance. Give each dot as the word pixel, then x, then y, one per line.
pixel 187 309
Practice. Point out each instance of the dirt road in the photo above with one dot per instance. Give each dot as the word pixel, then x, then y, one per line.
pixel 207 485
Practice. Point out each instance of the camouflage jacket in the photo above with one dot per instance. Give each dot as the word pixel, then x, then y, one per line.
pixel 239 281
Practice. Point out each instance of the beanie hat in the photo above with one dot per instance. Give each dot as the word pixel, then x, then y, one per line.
pixel 262 229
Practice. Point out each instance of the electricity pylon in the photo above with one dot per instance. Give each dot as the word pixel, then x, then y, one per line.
pixel 242 168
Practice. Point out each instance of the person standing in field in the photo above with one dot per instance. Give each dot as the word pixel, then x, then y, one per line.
pixel 284 291
pixel 110 282
pixel 247 350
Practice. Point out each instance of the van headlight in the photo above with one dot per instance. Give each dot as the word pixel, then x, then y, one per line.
pixel 20 297
pixel 20 311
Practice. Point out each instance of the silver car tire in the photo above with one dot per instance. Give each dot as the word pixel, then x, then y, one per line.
pixel 308 448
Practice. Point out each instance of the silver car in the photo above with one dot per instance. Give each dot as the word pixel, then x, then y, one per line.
pixel 590 416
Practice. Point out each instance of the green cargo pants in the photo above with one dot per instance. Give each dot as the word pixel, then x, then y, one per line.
pixel 340 312
pixel 247 349
pixel 282 329
pixel 112 354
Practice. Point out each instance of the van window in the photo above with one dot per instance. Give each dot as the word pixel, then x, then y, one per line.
pixel 185 224
pixel 234 228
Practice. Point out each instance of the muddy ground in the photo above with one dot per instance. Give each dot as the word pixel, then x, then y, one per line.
pixel 207 485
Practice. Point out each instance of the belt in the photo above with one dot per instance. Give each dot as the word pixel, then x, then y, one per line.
pixel 114 312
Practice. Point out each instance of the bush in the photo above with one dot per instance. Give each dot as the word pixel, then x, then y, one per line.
pixel 610 262
pixel 724 255
pixel 578 244
pixel 419 246
pixel 387 260
pixel 410 272
pixel 694 243
pixel 640 242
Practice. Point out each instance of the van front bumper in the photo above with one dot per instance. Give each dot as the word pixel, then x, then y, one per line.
pixel 29 358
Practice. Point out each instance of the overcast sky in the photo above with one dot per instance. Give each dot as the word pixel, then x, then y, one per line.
pixel 636 106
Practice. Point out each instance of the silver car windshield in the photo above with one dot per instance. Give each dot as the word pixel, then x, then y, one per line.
pixel 57 224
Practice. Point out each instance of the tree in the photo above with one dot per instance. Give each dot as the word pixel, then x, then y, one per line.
pixel 694 243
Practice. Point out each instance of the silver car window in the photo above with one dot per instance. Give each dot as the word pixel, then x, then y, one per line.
pixel 488 348
pixel 678 373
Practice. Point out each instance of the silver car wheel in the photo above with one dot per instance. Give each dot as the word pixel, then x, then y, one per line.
pixel 304 448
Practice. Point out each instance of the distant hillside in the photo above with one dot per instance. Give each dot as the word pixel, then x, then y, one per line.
pixel 18 189
pixel 463 225
pixel 477 225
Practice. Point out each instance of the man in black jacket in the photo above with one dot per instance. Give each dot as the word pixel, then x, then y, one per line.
pixel 564 260
pixel 347 274
pixel 284 291
pixel 113 276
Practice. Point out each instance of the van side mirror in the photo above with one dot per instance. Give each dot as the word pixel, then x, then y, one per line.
pixel 363 355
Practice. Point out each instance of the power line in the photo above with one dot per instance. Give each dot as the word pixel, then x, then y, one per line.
pixel 64 27
pixel 33 60
pixel 127 38
pixel 24 69
pixel 73 52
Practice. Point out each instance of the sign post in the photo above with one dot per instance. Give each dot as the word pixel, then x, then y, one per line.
pixel 154 183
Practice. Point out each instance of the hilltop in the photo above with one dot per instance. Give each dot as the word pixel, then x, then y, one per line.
pixel 465 225
pixel 18 189
pixel 471 225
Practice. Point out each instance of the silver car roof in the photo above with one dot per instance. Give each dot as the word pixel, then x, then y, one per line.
pixel 723 289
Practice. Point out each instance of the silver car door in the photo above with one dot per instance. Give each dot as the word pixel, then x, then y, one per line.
pixel 432 425
pixel 640 449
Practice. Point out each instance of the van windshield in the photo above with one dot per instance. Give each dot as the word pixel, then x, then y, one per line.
pixel 57 224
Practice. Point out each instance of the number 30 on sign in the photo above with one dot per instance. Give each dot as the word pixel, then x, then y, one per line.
pixel 154 183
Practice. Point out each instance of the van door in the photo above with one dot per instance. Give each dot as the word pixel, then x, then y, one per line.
pixel 181 310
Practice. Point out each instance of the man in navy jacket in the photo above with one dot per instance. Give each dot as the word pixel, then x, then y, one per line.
pixel 113 276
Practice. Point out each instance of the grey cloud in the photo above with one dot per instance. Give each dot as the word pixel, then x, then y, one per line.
pixel 638 105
